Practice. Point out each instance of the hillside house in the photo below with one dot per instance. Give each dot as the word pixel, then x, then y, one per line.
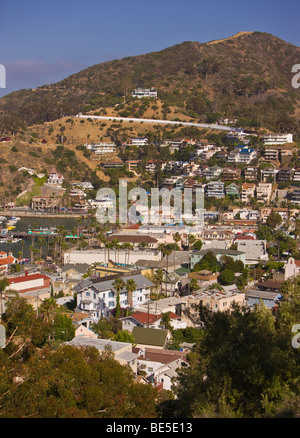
pixel 99 298
pixel 264 192
pixel 55 178
pixel 277 139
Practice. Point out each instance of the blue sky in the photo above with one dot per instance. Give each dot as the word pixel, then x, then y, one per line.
pixel 44 42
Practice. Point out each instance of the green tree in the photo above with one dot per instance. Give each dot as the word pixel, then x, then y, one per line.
pixel 226 277
pixel 124 336
pixel 208 262
pixel 244 366
pixel 63 328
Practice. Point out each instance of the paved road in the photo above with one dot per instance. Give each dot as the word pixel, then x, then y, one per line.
pixel 165 122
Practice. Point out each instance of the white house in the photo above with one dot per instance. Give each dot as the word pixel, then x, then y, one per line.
pixel 139 141
pixel 99 298
pixel 144 92
pixel 241 154
pixel 102 148
pixel 55 178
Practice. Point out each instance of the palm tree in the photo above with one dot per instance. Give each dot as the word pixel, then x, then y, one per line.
pixel 130 287
pixel 115 244
pixel 33 251
pixel 41 242
pixel 118 285
pixel 158 279
pixel 167 251
pixel 109 246
pixel 161 247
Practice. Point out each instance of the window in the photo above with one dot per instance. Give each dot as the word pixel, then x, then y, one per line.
pixel 150 369
pixel 87 294
pixel 95 296
pixel 110 294
pixel 111 304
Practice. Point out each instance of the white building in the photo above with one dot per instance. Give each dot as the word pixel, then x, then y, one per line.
pixel 55 178
pixel 241 154
pixel 102 148
pixel 248 192
pixel 255 250
pixel 269 139
pixel 144 92
pixel 139 141
pixel 212 172
pixel 100 298
pixel 269 172
pixel 215 189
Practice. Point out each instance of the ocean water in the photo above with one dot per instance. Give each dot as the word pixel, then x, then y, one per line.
pixel 38 222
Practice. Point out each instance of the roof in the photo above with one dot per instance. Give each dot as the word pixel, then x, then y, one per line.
pixel 131 238
pixel 139 279
pixel 79 267
pixel 28 277
pixel 150 336
pixel 100 344
pixel 219 251
pixel 143 317
pixel 162 356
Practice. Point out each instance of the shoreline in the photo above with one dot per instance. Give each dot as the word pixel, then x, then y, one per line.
pixel 41 215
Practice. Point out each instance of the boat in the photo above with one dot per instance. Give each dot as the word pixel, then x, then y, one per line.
pixel 43 231
pixel 2 218
pixel 10 227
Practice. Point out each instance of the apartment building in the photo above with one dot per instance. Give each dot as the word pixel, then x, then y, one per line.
pixel 275 139
pixel 271 153
pixel 248 192
pixel 285 174
pixel 212 172
pixel 215 189
pixel 101 148
pixel 268 174
pixel 139 141
pixel 251 174
pixel 264 192
pixel 295 196
pixel 296 176
pixel 231 174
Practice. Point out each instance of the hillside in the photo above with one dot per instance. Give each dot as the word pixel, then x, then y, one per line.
pixel 247 76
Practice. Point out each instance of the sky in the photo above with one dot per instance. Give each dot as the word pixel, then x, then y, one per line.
pixel 44 42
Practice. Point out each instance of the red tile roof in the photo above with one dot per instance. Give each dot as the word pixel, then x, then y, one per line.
pixel 27 278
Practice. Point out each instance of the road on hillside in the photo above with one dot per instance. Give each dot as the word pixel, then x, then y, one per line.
pixel 165 122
